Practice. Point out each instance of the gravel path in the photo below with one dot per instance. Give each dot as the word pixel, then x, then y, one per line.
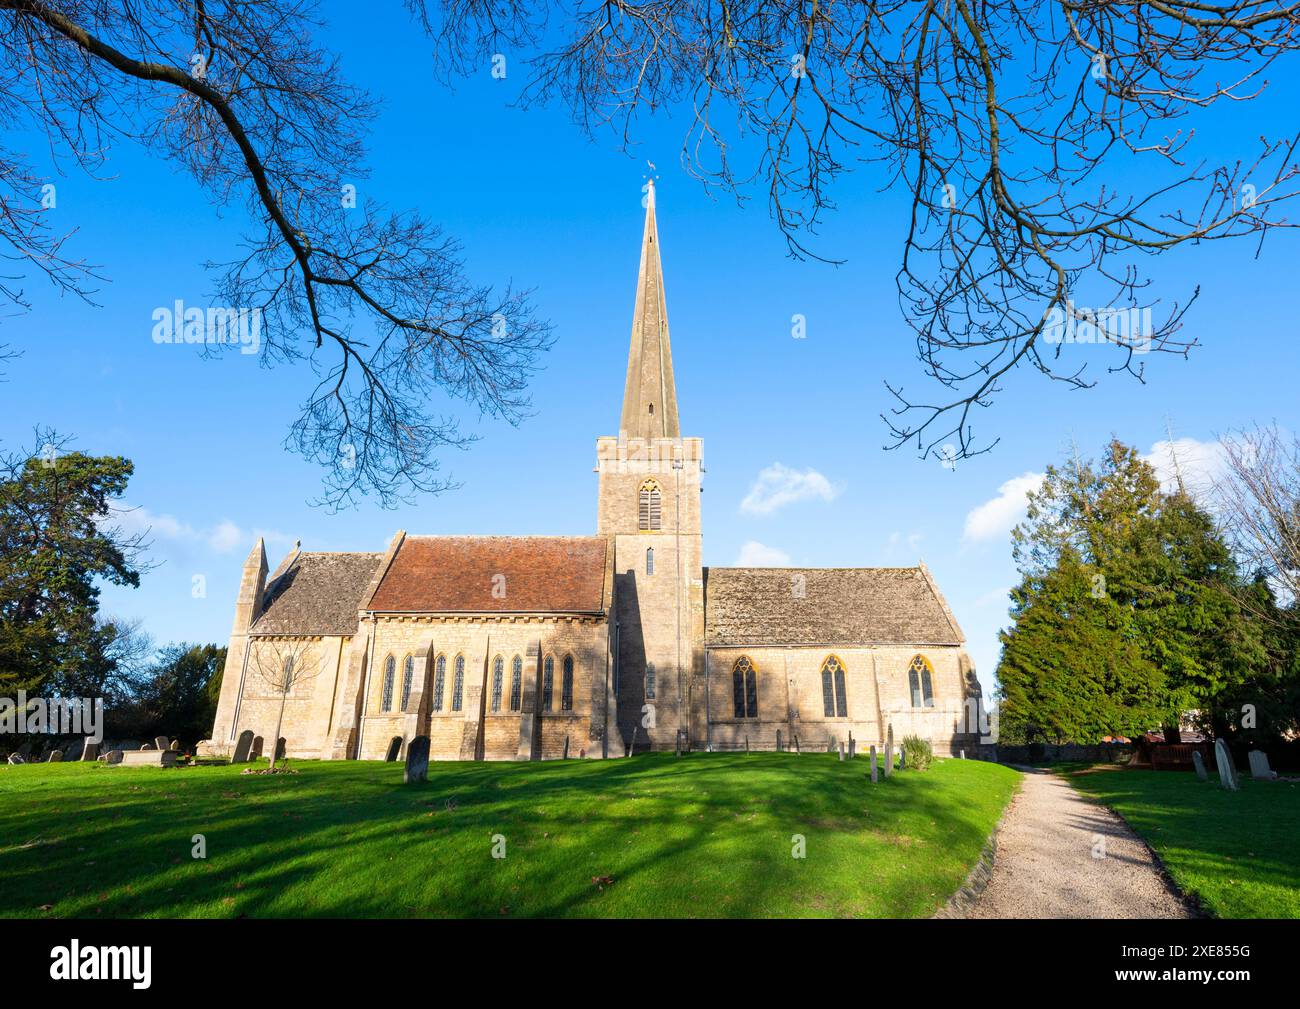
pixel 1045 865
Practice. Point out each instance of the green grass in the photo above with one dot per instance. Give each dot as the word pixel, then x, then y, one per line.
pixel 703 835
pixel 1237 853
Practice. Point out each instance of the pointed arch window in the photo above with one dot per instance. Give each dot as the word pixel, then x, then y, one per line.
pixel 408 675
pixel 649 506
pixel 458 684
pixel 498 678
pixel 566 685
pixel 835 701
pixel 439 681
pixel 744 688
pixel 516 682
pixel 920 678
pixel 548 682
pixel 650 560
pixel 390 671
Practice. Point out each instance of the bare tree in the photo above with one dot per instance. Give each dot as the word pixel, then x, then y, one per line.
pixel 1016 129
pixel 1260 502
pixel 283 664
pixel 239 94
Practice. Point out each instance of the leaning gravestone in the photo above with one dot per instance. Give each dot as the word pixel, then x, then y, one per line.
pixel 15 759
pixel 176 745
pixel 161 743
pixel 417 760
pixel 874 775
pixel 90 751
pixel 1198 762
pixel 1259 769
pixel 242 746
pixel 112 757
pixel 394 748
pixel 25 750
pixel 1227 770
pixel 56 757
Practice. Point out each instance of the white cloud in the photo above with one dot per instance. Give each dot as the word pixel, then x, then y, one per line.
pixel 166 530
pixel 1201 463
pixel 778 486
pixel 998 516
pixel 757 555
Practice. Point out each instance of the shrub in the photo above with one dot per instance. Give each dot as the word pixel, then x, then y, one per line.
pixel 917 752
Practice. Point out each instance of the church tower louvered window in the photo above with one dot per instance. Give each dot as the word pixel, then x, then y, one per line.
pixel 649 507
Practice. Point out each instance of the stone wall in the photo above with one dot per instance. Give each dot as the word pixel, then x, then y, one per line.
pixel 877 695
pixel 480 639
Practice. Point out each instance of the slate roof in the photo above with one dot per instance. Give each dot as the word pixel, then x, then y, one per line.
pixel 319 593
pixel 840 606
pixel 457 574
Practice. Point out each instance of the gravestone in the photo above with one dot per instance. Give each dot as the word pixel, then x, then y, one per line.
pixel 853 746
pixel 1227 770
pixel 746 742
pixel 963 754
pixel 281 748
pixel 242 747
pixel 176 745
pixel 796 746
pixel 112 757
pixel 566 747
pixel 902 758
pixel 56 757
pixel 256 751
pixel 1198 763
pixel 162 743
pixel 874 773
pixel 394 748
pixel 90 751
pixel 841 753
pixel 889 758
pixel 1259 769
pixel 147 746
pixel 417 761
pixel 635 730
pixel 15 759
pixel 778 740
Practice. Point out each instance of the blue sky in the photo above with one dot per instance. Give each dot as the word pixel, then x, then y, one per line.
pixel 537 204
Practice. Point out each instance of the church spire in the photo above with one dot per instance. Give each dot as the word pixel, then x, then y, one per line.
pixel 650 396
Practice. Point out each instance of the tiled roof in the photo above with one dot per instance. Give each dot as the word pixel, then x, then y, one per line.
pixel 825 606
pixel 319 593
pixel 495 574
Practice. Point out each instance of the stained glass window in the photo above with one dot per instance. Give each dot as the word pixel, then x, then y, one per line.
pixel 498 675
pixel 390 670
pixel 439 681
pixel 458 684
pixel 516 682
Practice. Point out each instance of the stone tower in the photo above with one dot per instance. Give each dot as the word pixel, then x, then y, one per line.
pixel 649 508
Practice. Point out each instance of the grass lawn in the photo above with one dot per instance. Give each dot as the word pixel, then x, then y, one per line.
pixel 702 835
pixel 1238 853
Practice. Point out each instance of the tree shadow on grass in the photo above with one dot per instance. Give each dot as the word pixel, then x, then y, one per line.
pixel 701 835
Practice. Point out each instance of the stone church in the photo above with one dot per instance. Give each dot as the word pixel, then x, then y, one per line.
pixel 534 647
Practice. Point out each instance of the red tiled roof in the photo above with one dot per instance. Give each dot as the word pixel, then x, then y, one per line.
pixel 495 574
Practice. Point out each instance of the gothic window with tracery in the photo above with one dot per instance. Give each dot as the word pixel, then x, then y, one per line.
pixel 498 678
pixel 744 688
pixel 835 701
pixel 920 680
pixel 458 684
pixel 516 682
pixel 408 675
